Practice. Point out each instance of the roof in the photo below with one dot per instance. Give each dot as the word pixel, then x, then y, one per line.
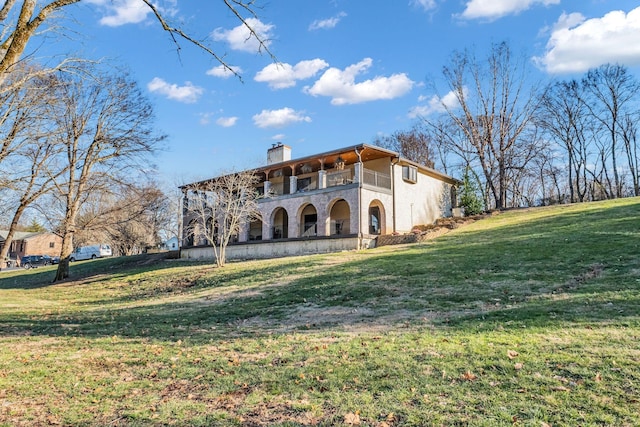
pixel 349 155
pixel 21 235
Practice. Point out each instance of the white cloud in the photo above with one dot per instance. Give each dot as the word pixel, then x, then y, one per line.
pixel 279 118
pixel 121 12
pixel 425 4
pixel 278 137
pixel 340 85
pixel 280 76
pixel 435 104
pixel 187 93
pixel 223 72
pixel 227 122
pixel 240 38
pixel 577 44
pixel 494 9
pixel 326 24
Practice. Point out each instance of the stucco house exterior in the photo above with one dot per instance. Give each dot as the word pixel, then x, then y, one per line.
pixel 337 200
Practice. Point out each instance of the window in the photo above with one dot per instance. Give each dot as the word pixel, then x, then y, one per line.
pixel 52 245
pixel 410 174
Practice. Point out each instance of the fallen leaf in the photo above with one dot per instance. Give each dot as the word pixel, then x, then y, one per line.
pixel 352 419
pixel 518 366
pixel 560 388
pixel 469 376
pixel 512 354
pixel 598 377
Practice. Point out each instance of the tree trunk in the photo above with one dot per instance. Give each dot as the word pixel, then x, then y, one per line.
pixel 67 249
pixel 12 230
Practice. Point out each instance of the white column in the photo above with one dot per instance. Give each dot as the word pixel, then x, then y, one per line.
pixel 357 171
pixel 322 179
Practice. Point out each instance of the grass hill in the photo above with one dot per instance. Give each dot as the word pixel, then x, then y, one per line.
pixel 526 318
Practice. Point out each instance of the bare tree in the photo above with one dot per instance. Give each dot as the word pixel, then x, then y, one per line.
pixel 630 139
pixel 26 151
pixel 612 90
pixel 104 124
pixel 218 210
pixel 21 20
pixel 563 115
pixel 129 217
pixel 520 172
pixel 415 144
pixel 492 112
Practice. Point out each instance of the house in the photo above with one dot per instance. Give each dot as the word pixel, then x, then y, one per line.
pixel 338 200
pixel 32 243
pixel 171 244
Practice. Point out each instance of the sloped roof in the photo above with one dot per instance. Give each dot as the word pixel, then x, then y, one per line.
pixel 350 155
pixel 21 235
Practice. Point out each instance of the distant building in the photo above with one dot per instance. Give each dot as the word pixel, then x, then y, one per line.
pixel 171 244
pixel 337 200
pixel 32 243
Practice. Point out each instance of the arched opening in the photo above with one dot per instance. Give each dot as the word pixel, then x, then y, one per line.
pixel 280 228
pixel 255 229
pixel 376 218
pixel 190 238
pixel 339 218
pixel 211 230
pixel 308 221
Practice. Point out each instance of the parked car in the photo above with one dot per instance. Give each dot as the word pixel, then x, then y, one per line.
pixel 33 261
pixel 91 252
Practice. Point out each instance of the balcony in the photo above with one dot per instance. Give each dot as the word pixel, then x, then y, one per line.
pixel 376 179
pixel 281 186
pixel 343 177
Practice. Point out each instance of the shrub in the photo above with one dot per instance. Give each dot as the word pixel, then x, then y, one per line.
pixel 470 199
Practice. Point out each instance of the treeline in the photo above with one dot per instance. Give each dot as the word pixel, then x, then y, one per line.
pixel 524 143
pixel 75 136
pixel 75 145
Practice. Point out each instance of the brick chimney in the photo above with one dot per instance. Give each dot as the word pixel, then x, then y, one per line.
pixel 278 153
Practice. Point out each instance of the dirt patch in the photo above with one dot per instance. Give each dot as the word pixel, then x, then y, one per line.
pixel 592 272
pixel 422 233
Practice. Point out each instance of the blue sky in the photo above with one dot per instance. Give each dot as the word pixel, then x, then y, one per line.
pixel 348 70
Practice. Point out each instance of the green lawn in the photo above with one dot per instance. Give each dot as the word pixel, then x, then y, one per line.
pixel 525 318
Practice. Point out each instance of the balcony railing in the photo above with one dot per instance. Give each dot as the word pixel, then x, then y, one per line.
pixel 310 182
pixel 307 183
pixel 339 178
pixel 376 179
